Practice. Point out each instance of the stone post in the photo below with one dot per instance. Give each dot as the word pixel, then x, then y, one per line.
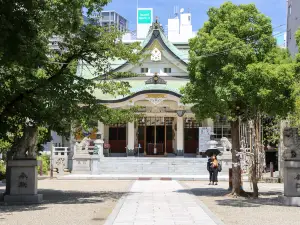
pixel 97 155
pixel 291 176
pixel 23 186
pixel 99 145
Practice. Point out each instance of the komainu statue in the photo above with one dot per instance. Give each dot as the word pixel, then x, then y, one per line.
pixel 226 143
pixel 25 147
pixel 83 146
pixel 291 141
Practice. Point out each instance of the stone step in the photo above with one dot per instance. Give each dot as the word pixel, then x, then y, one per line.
pixel 171 166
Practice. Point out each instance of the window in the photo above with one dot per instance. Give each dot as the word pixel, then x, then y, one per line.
pixel 167 70
pixel 290 10
pixel 144 70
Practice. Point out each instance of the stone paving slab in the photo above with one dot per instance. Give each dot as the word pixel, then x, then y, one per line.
pixel 157 202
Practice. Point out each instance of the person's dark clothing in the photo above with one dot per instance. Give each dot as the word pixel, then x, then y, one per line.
pixel 214 175
pixel 213 171
pixel 209 164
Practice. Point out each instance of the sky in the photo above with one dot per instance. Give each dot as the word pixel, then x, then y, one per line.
pixel 275 9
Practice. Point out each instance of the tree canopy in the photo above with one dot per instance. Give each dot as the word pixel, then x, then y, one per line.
pixel 236 68
pixel 40 84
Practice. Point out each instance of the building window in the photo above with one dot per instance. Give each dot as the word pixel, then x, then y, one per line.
pixel 290 9
pixel 167 70
pixel 144 70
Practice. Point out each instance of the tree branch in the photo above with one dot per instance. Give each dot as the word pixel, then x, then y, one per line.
pixel 23 95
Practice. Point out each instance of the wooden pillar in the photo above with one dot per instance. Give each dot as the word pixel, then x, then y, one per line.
pixel 165 136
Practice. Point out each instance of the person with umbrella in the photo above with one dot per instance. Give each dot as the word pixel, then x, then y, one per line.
pixel 212 167
pixel 213 164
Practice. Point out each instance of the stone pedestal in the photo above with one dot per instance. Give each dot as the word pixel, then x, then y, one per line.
pixel 95 164
pixel 81 163
pixel 291 182
pixel 23 187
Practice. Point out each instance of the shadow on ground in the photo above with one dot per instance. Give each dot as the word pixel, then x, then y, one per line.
pixel 221 198
pixel 51 196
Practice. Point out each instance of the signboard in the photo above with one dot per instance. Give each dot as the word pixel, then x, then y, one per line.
pixel 144 16
pixel 144 22
pixel 204 137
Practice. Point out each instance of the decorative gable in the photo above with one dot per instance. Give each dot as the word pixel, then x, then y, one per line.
pixel 155 55
pixel 155 80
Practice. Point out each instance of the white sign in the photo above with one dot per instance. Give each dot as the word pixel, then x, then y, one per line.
pixel 204 137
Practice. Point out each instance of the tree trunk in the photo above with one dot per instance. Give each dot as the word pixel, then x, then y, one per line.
pixel 236 168
pixel 255 172
pixel 8 173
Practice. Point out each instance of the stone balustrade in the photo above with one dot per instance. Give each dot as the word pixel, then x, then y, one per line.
pixel 62 159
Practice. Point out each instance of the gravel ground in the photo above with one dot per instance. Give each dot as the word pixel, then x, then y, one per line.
pixel 67 203
pixel 242 211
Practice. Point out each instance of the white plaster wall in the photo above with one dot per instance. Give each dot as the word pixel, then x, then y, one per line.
pixel 158 67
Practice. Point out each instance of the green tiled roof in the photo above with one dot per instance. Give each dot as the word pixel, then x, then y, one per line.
pixel 180 54
pixel 139 85
pixel 88 72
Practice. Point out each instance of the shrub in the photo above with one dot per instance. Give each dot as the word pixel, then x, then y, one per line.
pixel 2 169
pixel 45 163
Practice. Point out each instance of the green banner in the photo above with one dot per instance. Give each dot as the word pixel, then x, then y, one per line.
pixel 144 16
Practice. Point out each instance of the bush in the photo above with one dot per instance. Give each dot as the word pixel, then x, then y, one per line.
pixel 2 169
pixel 45 163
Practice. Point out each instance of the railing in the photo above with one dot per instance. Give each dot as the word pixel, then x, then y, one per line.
pixel 62 159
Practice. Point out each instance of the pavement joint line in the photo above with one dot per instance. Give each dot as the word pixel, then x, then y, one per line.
pixel 202 205
pixel 113 215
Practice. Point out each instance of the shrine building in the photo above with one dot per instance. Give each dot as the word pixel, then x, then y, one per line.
pixel 167 126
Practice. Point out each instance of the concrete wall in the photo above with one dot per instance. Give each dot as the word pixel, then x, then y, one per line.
pixel 293 24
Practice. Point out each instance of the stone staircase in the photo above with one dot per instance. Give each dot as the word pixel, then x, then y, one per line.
pixel 154 166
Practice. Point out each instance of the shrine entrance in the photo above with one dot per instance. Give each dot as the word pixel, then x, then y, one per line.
pixel 155 135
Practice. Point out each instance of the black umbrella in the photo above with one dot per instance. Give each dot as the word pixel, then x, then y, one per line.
pixel 211 152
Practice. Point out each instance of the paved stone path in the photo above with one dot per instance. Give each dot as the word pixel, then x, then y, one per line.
pixel 156 202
